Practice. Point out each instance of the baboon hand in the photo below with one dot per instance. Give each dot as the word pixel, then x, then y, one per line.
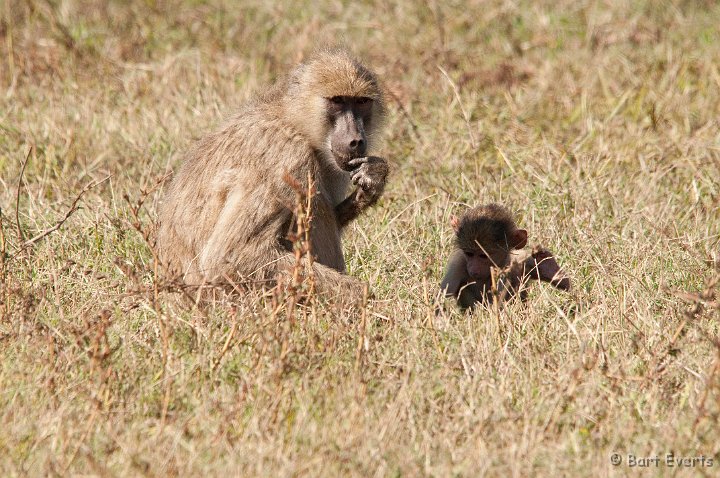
pixel 369 174
pixel 548 270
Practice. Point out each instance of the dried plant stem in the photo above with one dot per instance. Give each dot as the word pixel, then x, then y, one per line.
pixel 362 339
pixel 21 236
pixel 496 303
pixel 465 114
pixel 4 294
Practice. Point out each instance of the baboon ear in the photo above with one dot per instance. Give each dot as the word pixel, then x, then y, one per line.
pixel 518 238
pixel 455 223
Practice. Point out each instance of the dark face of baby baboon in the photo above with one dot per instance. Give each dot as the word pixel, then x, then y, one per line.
pixel 486 235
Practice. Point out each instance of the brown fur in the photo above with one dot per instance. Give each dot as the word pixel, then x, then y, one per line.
pixel 491 230
pixel 486 227
pixel 228 210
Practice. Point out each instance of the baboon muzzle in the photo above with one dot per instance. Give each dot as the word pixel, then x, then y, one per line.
pixel 348 139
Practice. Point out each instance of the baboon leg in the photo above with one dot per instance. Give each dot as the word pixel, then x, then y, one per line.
pixel 469 295
pixel 241 244
pixel 329 283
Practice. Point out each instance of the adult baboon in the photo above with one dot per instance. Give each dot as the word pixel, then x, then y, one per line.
pixel 228 211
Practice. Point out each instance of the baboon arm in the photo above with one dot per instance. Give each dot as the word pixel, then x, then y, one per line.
pixel 455 275
pixel 458 284
pixel 370 176
pixel 348 210
pixel 542 266
pixel 513 280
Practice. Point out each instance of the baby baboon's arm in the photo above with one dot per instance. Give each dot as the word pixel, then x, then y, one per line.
pixel 541 265
pixel 455 276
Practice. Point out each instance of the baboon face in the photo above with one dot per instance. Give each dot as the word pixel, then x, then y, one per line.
pixel 482 254
pixel 480 261
pixel 486 235
pixel 348 116
pixel 337 104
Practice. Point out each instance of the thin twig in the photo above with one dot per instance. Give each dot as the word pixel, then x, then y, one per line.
pixel 406 115
pixel 3 284
pixel 465 114
pixel 21 237
pixel 53 18
pixel 708 382
pixel 74 207
pixel 494 272
pixel 359 352
pixel 230 335
pixel 81 442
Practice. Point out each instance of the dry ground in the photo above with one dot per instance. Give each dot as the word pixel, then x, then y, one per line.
pixel 598 122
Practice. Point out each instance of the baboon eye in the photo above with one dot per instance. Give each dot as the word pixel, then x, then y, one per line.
pixel 338 100
pixel 468 253
pixel 482 255
pixel 363 100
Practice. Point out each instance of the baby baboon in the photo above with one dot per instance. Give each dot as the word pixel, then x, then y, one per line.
pixel 229 209
pixel 487 237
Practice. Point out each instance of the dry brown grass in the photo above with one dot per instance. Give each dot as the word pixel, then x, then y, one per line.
pixel 598 122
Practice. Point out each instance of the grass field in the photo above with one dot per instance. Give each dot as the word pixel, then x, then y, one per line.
pixel 597 122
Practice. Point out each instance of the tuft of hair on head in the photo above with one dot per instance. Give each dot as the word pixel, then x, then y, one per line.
pixel 337 72
pixel 488 225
